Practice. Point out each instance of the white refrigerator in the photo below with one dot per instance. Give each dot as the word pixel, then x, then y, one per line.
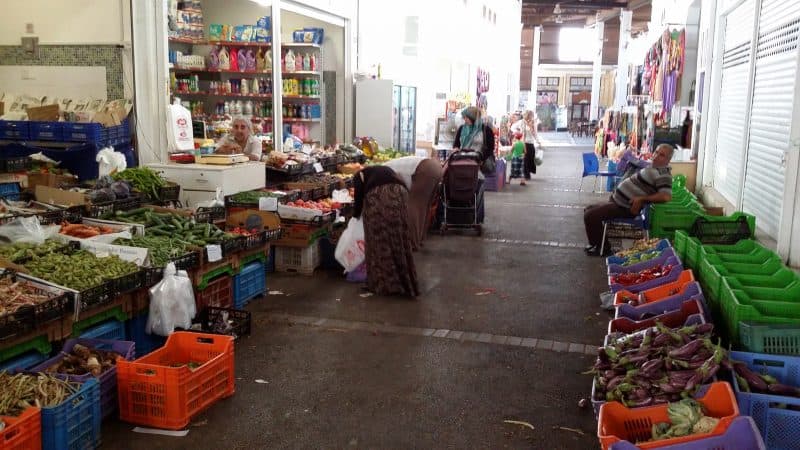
pixel 374 115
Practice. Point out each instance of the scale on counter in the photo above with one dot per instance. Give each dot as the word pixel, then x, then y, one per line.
pixel 219 159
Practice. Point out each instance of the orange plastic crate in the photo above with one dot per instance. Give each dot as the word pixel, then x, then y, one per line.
pixel 657 293
pixel 23 432
pixel 154 394
pixel 617 422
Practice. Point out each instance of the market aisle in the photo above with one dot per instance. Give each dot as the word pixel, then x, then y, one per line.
pixel 501 331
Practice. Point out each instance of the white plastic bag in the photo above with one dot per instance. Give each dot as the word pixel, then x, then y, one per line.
pixel 350 249
pixel 171 303
pixel 219 200
pixel 28 229
pixel 110 161
pixel 179 128
pixel 537 158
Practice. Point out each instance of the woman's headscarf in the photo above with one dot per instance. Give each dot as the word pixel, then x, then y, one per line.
pixel 468 132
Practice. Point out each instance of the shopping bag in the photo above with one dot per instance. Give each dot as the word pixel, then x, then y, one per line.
pixel 537 158
pixel 350 248
pixel 172 303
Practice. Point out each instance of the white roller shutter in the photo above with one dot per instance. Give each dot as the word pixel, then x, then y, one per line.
pixel 732 122
pixel 771 112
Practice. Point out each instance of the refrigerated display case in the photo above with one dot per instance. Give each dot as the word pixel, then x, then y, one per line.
pixel 404 118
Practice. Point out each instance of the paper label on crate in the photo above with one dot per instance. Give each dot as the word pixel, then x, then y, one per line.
pixel 268 204
pixel 342 196
pixel 214 253
pixel 306 149
pixel 318 167
pixel 135 255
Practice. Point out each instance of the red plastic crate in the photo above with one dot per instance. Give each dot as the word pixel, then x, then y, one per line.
pixel 155 394
pixel 617 422
pixel 218 292
pixel 23 432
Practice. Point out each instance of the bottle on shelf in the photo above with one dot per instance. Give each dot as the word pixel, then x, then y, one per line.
pixel 239 107
pixel 245 90
pixel 313 62
pixel 290 61
pixel 256 86
pixel 306 62
pixel 298 63
pixel 224 59
pixel 226 109
pixel 248 108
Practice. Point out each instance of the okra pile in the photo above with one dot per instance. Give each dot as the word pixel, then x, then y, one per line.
pixel 80 270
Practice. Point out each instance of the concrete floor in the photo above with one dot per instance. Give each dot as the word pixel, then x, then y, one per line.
pixel 504 326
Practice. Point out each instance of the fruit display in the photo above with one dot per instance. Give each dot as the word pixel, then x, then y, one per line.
pixel 23 250
pixel 82 360
pixel 641 257
pixel 80 270
pixel 325 205
pixel 350 168
pixel 686 417
pixel 82 231
pixel 638 247
pixel 387 154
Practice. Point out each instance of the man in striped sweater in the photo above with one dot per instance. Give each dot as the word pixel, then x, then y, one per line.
pixel 650 185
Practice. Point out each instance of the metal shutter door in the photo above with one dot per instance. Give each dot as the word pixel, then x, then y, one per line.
pixel 771 113
pixel 733 101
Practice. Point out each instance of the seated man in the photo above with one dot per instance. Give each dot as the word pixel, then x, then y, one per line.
pixel 650 185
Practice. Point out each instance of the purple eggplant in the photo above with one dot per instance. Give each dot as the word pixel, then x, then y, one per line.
pixel 744 386
pixel 669 388
pixel 646 401
pixel 703 328
pixel 614 382
pixel 753 379
pixel 688 350
pixel 661 340
pixel 783 389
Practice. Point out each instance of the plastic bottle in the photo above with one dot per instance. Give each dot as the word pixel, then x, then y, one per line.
pixel 290 63
pixel 313 62
pixel 306 62
pixel 298 63
pixel 245 88
pixel 256 86
pixel 239 107
pixel 226 108
pixel 248 108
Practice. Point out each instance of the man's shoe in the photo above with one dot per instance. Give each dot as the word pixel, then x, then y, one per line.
pixel 588 247
pixel 595 251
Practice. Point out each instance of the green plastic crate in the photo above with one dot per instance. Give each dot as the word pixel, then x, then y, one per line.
pixel 769 338
pixel 207 277
pixel 712 269
pixel 664 222
pixel 40 343
pixel 679 181
pixel 735 307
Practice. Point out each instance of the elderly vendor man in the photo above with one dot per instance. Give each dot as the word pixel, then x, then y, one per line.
pixel 240 140
pixel 649 185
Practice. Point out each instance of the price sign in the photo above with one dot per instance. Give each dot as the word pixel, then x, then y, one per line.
pixel 318 167
pixel 268 204
pixel 214 253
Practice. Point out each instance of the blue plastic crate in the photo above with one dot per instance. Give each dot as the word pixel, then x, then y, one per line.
pixel 249 283
pixel 9 191
pixel 75 423
pixel 145 343
pixel 110 329
pixel 22 362
pixel 47 131
pixel 775 416
pixel 661 246
pixel 18 130
pixel 84 132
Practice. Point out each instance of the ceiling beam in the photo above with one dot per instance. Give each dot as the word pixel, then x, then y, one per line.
pixel 594 3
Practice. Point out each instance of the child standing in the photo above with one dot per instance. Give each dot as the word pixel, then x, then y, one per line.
pixel 517 158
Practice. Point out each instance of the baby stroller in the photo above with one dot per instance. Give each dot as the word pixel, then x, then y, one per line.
pixel 462 193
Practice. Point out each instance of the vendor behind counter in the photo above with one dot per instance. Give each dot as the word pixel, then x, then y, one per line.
pixel 240 140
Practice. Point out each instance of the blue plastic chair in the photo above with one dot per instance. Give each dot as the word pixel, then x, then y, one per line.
pixel 591 167
pixel 640 221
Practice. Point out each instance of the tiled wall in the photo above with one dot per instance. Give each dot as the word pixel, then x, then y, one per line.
pixel 108 56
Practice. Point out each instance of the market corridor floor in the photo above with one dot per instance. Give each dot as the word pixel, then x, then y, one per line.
pixel 502 329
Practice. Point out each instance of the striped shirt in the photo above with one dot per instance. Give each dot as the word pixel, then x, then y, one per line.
pixel 646 182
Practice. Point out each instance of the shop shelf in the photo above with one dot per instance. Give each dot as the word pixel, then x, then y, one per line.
pixel 145 343
pixel 665 256
pixel 689 291
pixel 39 344
pixel 107 380
pixel 661 246
pixel 767 338
pixel 110 329
pixel 75 423
pixel 742 434
pixel 617 422
pixel 240 321
pixel 23 362
pixel 89 323
pixel 673 275
pixel 249 283
pixel 692 309
pixel 298 260
pixel 23 432
pixel 153 393
pixel 216 290
pixel 776 416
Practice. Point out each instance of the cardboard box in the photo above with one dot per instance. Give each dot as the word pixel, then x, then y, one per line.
pixel 253 218
pixel 47 113
pixel 49 179
pixel 301 235
pixel 715 210
pixel 60 197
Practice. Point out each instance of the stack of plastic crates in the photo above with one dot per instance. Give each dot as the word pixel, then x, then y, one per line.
pixel 677 214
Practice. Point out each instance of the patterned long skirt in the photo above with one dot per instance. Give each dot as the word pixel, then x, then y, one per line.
pixel 390 263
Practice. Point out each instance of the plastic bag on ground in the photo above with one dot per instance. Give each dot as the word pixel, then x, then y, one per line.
pixel 28 230
pixel 350 248
pixel 219 200
pixel 110 161
pixel 171 303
